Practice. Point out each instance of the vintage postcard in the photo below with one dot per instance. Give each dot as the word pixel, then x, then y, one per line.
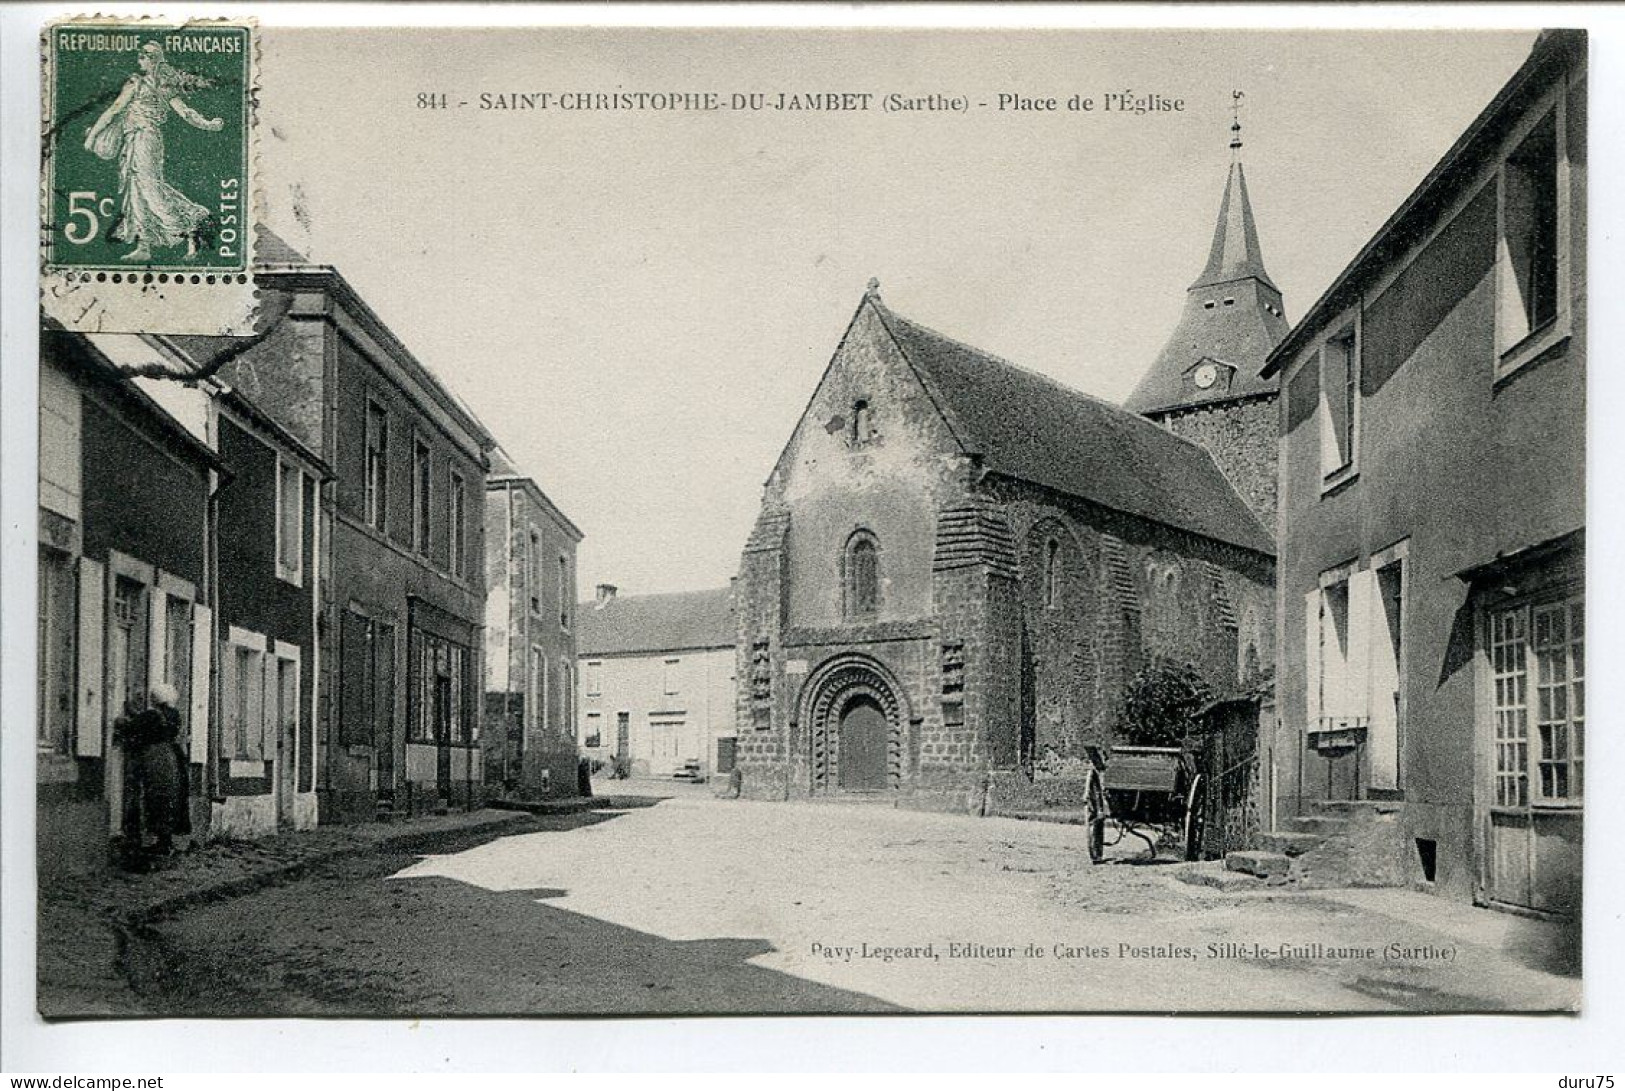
pixel 732 521
pixel 148 155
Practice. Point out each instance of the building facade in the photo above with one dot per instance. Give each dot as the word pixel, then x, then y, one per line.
pixel 267 572
pixel 657 682
pixel 124 595
pixel 530 638
pixel 401 533
pixel 1432 497
pixel 958 566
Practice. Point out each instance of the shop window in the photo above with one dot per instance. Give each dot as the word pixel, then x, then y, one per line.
pixel 1537 660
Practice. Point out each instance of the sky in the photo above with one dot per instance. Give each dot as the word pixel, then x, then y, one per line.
pixel 638 305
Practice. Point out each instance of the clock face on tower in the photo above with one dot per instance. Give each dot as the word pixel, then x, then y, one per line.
pixel 1206 376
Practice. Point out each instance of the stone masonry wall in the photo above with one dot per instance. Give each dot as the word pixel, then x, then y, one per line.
pixel 1242 437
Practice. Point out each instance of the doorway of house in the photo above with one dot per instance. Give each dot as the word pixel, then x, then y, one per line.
pixel 862 755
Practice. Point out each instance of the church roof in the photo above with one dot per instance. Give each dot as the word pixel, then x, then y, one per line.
pixel 1030 427
pixel 630 624
pixel 1232 316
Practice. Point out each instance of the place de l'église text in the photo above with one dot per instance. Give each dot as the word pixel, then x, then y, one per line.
pixel 1125 101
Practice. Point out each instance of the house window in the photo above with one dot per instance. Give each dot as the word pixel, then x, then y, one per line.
pixel 1553 636
pixel 440 690
pixel 593 735
pixel 421 479
pixel 668 676
pixel 564 592
pixel 376 501
pixel 567 697
pixel 1339 405
pixel 1529 238
pixel 862 571
pixel 290 522
pixel 1052 574
pixel 537 718
pixel 455 529
pixel 863 423
pixel 534 573
pixel 595 679
pixel 244 702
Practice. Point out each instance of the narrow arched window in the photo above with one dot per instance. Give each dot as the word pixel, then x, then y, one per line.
pixel 863 424
pixel 1052 573
pixel 862 575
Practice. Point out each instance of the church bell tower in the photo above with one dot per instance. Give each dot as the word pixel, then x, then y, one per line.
pixel 1204 384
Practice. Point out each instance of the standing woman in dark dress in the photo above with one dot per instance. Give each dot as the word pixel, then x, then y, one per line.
pixel 159 807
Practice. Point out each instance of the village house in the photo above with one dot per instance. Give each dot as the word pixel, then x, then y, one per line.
pixel 124 590
pixel 530 638
pixel 657 682
pixel 1432 499
pixel 266 571
pixel 958 566
pixel 399 531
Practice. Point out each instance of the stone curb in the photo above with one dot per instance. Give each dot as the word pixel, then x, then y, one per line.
pixel 209 893
pixel 575 805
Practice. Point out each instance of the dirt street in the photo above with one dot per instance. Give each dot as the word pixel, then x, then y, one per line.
pixel 700 905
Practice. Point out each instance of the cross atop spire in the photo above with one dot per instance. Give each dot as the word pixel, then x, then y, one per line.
pixel 1235 124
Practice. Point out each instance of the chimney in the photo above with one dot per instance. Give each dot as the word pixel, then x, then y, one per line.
pixel 604 594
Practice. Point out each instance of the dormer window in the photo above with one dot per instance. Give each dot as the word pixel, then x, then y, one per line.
pixel 1230 301
pixel 1208 306
pixel 863 423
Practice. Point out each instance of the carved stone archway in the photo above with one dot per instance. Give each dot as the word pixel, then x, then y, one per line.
pixel 837 686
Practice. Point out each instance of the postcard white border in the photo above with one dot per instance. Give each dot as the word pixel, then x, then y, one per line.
pixel 1102 1043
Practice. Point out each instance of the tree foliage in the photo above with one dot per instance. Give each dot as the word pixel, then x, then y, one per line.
pixel 1160 704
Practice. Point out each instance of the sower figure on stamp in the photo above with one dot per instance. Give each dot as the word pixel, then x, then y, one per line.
pixel 151 211
pixel 156 803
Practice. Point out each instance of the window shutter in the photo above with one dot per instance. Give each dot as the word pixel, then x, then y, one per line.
pixel 202 646
pixel 230 720
pixel 157 635
pixel 88 734
pixel 265 714
pixel 1311 659
pixel 1362 600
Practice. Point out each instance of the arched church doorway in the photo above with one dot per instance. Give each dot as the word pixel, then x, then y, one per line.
pixel 855 715
pixel 863 745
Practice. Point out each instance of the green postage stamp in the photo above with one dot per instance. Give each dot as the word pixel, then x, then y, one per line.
pixel 148 176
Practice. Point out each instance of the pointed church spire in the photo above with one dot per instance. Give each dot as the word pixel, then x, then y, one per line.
pixel 1232 316
pixel 1235 254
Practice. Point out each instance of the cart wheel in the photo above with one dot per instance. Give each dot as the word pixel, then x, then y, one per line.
pixel 1097 820
pixel 1195 819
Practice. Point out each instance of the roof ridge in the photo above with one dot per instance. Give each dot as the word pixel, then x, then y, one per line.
pixel 1114 407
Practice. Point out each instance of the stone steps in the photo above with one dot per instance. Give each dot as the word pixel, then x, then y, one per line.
pixel 1323 825
pixel 1288 843
pixel 1262 865
pixel 1351 807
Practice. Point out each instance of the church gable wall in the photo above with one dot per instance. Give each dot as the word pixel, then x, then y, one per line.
pixel 870 453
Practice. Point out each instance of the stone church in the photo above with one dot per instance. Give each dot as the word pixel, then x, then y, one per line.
pixel 960 563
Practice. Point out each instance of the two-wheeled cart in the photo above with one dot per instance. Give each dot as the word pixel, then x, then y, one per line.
pixel 1144 791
